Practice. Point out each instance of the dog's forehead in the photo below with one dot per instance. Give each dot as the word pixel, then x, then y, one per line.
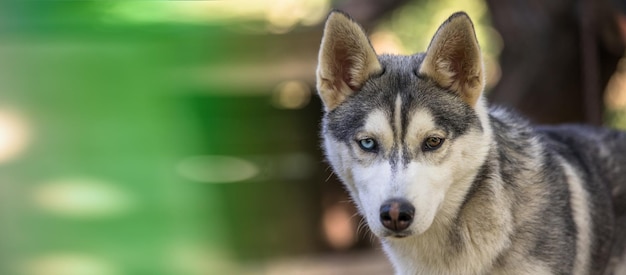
pixel 415 93
pixel 401 65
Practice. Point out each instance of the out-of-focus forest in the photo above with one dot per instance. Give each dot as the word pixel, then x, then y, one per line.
pixel 181 137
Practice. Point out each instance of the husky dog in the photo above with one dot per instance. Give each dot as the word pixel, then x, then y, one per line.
pixel 451 186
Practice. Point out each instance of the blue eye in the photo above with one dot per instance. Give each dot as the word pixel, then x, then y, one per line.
pixel 367 144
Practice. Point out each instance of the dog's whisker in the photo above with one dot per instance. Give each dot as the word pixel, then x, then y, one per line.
pixel 361 225
pixel 329 176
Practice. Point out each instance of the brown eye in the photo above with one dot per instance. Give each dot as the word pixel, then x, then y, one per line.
pixel 432 143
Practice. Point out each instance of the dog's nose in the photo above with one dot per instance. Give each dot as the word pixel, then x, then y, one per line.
pixel 397 214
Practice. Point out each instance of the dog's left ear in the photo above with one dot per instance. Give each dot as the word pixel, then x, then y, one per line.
pixel 453 59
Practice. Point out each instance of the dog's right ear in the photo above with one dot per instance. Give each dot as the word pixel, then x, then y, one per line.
pixel 346 60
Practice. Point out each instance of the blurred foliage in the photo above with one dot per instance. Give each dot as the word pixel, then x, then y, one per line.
pixel 96 189
pixel 615 98
pixel 417 22
pixel 616 118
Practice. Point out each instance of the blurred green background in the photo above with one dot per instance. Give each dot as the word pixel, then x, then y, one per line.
pixel 134 140
pixel 158 137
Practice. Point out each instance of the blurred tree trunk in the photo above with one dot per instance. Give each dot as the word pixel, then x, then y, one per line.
pixel 368 12
pixel 557 58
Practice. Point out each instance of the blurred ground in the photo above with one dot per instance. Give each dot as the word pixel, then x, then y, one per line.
pixel 371 262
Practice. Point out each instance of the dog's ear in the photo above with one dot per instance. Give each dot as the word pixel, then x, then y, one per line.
pixel 453 59
pixel 346 60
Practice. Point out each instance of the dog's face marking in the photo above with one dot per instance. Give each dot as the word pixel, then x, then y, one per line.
pixel 401 166
pixel 400 126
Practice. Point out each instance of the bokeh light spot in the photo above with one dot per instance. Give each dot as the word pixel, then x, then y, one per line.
pixel 291 95
pixel 81 197
pixel 217 169
pixel 13 135
pixel 68 264
pixel 339 227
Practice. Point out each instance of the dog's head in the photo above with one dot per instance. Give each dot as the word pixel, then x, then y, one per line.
pixel 406 134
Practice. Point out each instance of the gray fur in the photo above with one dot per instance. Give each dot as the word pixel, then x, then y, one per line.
pixel 521 202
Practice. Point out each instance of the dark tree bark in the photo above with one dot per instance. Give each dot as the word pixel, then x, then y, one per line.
pixel 368 12
pixel 557 59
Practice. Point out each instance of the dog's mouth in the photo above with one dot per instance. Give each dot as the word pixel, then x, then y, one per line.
pixel 397 235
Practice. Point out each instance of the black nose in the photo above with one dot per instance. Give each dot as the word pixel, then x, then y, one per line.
pixel 396 214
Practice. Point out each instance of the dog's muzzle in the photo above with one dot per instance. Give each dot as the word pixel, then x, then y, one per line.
pixel 396 214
